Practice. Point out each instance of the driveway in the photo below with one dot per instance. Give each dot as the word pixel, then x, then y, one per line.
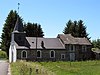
pixel 3 67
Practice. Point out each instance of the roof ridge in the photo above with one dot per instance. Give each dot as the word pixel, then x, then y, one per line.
pixel 61 43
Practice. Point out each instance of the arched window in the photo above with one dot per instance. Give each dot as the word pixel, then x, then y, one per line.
pixel 38 53
pixel 24 54
pixel 52 54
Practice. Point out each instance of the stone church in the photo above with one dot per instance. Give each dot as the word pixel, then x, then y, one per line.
pixel 64 47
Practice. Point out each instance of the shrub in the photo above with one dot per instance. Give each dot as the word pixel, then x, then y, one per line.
pixel 3 54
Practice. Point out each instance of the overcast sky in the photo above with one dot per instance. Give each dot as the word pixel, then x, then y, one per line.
pixel 53 15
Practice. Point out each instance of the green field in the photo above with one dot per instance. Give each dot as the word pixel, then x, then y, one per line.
pixel 56 68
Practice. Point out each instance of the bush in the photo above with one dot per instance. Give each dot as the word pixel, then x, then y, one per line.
pixel 3 54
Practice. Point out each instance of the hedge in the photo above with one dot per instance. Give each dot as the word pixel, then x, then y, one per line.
pixel 3 54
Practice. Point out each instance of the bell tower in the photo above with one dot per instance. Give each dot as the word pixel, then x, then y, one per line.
pixel 17 36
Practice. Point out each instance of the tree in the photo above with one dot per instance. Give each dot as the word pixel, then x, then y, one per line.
pixel 96 43
pixel 40 31
pixel 33 30
pixel 7 30
pixel 82 29
pixel 76 29
pixel 68 28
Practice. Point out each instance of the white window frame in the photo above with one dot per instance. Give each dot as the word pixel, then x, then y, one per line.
pixel 50 53
pixel 40 53
pixel 62 55
pixel 22 54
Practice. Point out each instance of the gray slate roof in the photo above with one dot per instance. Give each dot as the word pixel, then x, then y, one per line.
pixel 52 43
pixel 69 39
pixel 49 43
pixel 18 26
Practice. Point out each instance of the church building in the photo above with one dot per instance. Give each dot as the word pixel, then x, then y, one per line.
pixel 64 47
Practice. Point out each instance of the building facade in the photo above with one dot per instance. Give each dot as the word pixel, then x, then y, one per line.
pixel 63 48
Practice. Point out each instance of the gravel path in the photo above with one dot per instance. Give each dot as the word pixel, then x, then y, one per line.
pixel 3 67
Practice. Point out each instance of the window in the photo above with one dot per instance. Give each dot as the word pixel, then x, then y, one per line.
pixel 83 48
pixel 52 54
pixel 71 47
pixel 38 53
pixel 24 54
pixel 62 56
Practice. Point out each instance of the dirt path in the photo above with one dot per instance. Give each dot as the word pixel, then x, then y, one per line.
pixel 3 67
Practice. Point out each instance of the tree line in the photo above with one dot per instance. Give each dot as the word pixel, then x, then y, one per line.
pixel 75 28
pixel 33 30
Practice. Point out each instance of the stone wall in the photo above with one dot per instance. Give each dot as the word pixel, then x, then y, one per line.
pixel 32 55
pixel 79 54
pixel 45 54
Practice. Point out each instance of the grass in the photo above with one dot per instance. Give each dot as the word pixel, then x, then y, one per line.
pixel 57 68
pixel 74 68
pixel 29 68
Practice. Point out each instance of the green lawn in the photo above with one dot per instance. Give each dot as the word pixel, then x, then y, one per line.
pixel 56 68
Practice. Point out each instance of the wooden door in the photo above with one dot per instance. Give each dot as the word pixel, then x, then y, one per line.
pixel 72 56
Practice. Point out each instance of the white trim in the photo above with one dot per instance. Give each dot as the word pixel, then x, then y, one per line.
pixel 22 54
pixel 40 53
pixel 12 50
pixel 62 55
pixel 61 43
pixel 50 53
pixel 12 53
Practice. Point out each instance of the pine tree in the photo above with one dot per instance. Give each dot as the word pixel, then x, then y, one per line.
pixel 40 32
pixel 33 30
pixel 96 43
pixel 82 29
pixel 69 27
pixel 76 29
pixel 7 30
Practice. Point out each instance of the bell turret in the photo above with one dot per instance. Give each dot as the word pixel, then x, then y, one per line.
pixel 18 26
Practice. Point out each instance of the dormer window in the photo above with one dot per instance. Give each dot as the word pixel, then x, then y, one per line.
pixel 32 42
